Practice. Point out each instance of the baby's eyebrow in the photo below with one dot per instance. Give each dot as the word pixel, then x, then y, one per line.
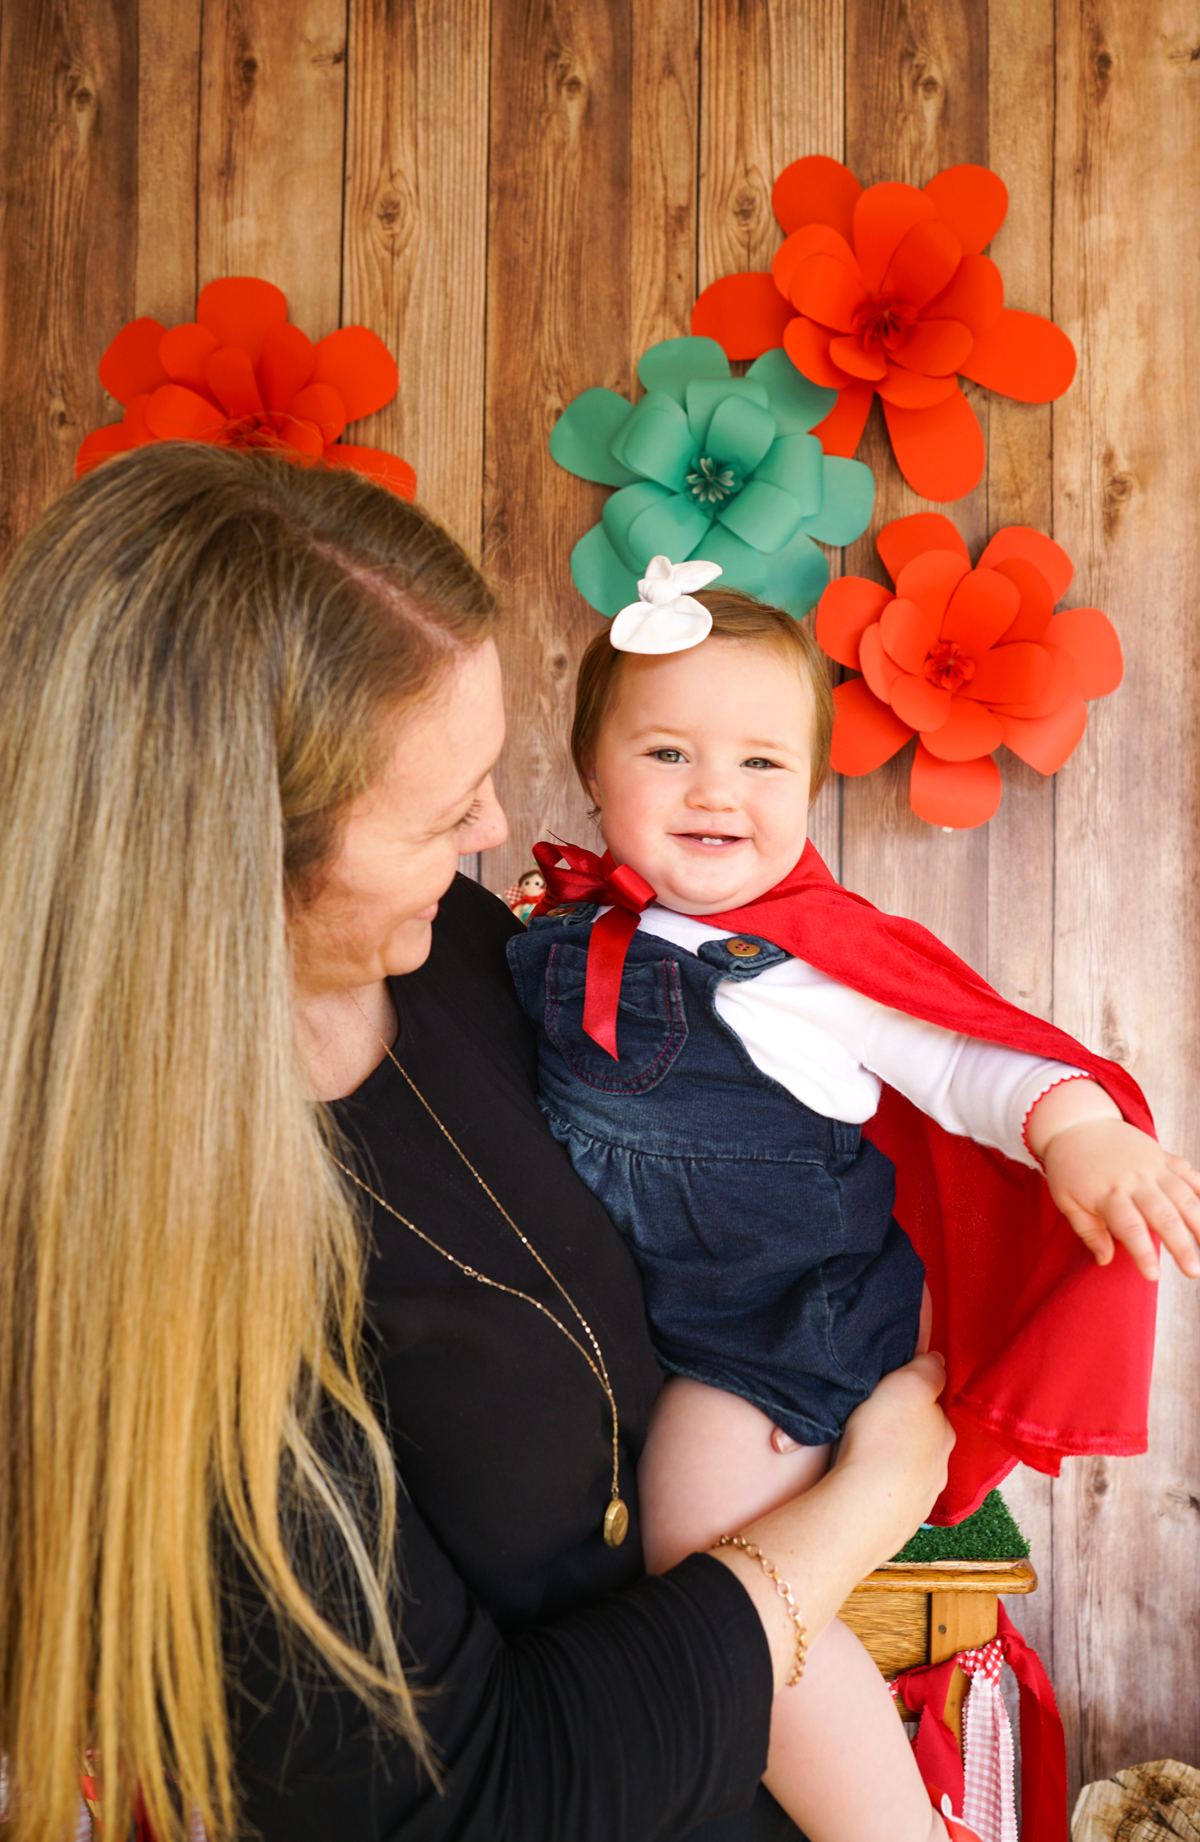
pixel 752 745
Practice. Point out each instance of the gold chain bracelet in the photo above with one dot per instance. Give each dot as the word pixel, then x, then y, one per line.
pixel 755 1553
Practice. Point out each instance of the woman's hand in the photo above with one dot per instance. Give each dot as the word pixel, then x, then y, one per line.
pixel 1113 1182
pixel 890 1467
pixel 900 1441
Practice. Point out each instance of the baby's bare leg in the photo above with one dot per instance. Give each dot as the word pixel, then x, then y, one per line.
pixel 709 1467
pixel 839 1763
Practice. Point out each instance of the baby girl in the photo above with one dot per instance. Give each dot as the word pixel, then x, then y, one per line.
pixel 711 1086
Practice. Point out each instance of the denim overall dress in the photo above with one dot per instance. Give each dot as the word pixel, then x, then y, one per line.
pixel 772 1266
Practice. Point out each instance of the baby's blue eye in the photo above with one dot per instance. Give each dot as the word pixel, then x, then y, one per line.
pixel 667 754
pixel 758 761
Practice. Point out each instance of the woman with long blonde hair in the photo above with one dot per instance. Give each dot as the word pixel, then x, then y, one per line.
pixel 248 714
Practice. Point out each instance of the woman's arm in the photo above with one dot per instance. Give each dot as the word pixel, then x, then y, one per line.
pixel 645 1714
pixel 890 1467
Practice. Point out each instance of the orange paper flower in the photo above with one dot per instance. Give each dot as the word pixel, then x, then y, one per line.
pixel 241 377
pixel 965 658
pixel 887 290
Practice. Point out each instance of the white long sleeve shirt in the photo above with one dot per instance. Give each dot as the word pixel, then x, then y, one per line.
pixel 833 1048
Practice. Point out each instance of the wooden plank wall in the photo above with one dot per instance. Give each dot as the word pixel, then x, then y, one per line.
pixel 520 198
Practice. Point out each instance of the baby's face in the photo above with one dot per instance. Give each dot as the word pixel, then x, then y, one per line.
pixel 702 772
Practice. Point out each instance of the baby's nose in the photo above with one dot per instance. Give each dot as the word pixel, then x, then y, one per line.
pixel 711 794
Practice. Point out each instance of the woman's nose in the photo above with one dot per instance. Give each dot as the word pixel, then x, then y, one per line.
pixel 491 827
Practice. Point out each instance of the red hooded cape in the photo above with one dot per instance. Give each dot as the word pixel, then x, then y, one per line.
pixel 1047 1354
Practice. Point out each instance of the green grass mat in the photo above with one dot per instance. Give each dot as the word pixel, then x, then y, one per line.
pixel 989 1535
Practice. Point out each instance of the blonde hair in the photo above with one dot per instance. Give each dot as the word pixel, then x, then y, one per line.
pixel 198 650
pixel 735 616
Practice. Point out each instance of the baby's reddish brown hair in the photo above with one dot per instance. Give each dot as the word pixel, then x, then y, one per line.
pixel 735 616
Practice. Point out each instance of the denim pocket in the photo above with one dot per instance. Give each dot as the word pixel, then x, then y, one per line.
pixel 651 1022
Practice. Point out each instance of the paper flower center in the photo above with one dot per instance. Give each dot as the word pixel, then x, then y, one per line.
pixel 949 667
pixel 711 481
pixel 884 319
pixel 260 429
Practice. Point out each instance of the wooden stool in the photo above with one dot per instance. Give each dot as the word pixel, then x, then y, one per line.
pixel 912 1613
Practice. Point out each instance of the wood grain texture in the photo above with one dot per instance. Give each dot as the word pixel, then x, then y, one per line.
pixel 959 1621
pixel 1145 1803
pixel 893 1626
pixel 272 111
pixel 665 103
pixel 1126 481
pixel 773 90
pixel 68 153
pixel 915 103
pixel 415 242
pixel 558 321
pixel 1020 147
pixel 1016 1576
pixel 168 132
pixel 1020 839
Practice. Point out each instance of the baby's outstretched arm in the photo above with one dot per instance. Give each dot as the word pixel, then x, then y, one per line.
pixel 1113 1182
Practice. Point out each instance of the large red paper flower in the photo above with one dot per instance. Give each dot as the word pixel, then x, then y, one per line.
pixel 887 290
pixel 966 658
pixel 241 377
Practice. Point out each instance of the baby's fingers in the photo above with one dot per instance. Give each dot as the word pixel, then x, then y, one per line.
pixel 1121 1221
pixel 1127 1225
pixel 1092 1232
pixel 1179 1167
pixel 1173 1211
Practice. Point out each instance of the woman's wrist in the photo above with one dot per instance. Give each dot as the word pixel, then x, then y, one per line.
pixel 741 1545
pixel 821 1545
pixel 891 1465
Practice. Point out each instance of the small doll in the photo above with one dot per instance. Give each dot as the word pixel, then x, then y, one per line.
pixel 816 1128
pixel 525 894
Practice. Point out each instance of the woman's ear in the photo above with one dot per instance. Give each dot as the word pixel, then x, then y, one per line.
pixel 593 785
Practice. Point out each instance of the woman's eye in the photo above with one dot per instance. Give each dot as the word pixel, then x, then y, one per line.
pixel 667 754
pixel 469 816
pixel 758 761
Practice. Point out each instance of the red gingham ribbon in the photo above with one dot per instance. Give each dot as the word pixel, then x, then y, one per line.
pixel 1043 1746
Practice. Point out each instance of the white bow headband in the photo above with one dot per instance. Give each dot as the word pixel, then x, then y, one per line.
pixel 665 618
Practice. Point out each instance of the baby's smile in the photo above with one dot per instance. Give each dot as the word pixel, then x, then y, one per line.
pixel 708 841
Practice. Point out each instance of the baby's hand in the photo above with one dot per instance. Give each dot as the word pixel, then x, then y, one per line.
pixel 1113 1182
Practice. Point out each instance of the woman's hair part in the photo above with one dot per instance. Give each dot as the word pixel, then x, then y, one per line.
pixel 735 616
pixel 200 652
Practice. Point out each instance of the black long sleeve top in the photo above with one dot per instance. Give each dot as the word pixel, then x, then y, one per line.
pixel 570 1699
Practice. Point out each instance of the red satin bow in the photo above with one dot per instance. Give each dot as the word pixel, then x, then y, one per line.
pixel 588 878
pixel 1043 1745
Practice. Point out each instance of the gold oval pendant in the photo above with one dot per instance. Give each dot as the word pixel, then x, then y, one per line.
pixel 616 1523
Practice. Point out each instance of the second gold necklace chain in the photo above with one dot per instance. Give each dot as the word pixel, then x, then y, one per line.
pixel 616 1516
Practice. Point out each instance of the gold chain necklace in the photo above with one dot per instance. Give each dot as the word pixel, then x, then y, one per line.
pixel 616 1516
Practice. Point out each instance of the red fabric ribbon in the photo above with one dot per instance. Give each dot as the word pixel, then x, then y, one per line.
pixel 588 878
pixel 1043 1743
pixel 90 1787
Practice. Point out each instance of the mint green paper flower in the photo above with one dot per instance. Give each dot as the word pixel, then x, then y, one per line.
pixel 714 466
